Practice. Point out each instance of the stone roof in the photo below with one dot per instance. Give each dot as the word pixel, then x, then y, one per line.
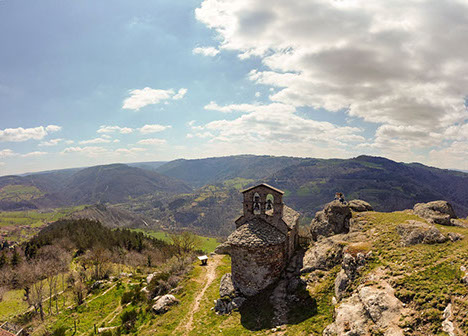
pixel 290 216
pixel 263 185
pixel 256 233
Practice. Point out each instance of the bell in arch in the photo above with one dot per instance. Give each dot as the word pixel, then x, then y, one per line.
pixel 269 205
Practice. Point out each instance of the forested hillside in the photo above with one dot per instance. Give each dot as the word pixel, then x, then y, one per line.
pixel 204 194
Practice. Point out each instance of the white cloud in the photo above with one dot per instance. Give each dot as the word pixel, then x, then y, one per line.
pixel 454 156
pixel 273 124
pixel 153 128
pixel 142 97
pixel 180 94
pixel 130 151
pixel 152 141
pixel 95 141
pixel 206 51
pixel 53 128
pixel 397 65
pixel 91 151
pixel 23 134
pixel 32 154
pixel 231 108
pixel 114 129
pixel 51 142
pixel 6 153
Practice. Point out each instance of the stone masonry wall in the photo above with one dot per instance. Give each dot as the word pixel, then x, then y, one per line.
pixel 254 269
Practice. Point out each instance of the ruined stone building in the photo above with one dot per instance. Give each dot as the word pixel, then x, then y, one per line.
pixel 264 240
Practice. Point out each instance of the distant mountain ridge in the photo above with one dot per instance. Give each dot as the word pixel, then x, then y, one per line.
pixel 165 190
pixel 113 183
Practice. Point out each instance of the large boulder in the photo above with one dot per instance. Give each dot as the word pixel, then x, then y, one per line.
pixel 414 232
pixel 323 255
pixel 438 212
pixel 333 219
pixel 163 303
pixel 359 206
pixel 370 307
pixel 226 287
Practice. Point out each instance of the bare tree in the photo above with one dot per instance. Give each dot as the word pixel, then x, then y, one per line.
pixel 37 287
pixel 184 242
pixel 78 287
pixel 98 259
pixel 3 290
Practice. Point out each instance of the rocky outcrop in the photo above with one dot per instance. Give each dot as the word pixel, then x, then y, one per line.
pixel 230 298
pixel 163 303
pixel 323 255
pixel 333 219
pixel 350 267
pixel 447 324
pixel 359 206
pixel 438 212
pixel 414 232
pixel 370 310
pixel 226 306
pixel 226 287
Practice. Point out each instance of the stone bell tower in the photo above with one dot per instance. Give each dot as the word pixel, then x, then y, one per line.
pixel 265 202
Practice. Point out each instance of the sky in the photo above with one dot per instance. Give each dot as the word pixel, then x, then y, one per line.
pixel 95 82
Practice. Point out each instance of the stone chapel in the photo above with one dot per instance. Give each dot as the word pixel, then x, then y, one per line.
pixel 265 239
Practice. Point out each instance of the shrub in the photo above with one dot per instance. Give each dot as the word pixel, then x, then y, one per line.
pixel 128 319
pixel 59 331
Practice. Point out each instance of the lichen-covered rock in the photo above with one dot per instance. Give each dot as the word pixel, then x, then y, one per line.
pixel 163 303
pixel 458 222
pixel 333 219
pixel 368 308
pixel 150 277
pixel 454 236
pixel 323 255
pixel 226 287
pixel 414 232
pixel 341 284
pixel 350 319
pixel 349 270
pixel 438 212
pixel 359 206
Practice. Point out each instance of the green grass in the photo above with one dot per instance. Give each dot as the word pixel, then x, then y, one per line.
pixel 425 276
pixel 17 193
pixel 207 244
pixel 11 304
pixel 238 183
pixel 18 226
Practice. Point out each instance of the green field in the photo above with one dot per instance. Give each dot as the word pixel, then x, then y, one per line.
pixel 18 193
pixel 19 226
pixel 208 244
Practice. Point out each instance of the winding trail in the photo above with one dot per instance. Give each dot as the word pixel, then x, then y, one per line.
pixel 210 276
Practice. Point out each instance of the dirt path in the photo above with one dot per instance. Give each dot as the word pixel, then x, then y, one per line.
pixel 210 275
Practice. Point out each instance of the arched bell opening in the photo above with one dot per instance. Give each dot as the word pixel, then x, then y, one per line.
pixel 269 205
pixel 257 210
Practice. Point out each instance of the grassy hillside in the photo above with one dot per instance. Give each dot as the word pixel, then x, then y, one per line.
pixel 425 277
pixel 19 226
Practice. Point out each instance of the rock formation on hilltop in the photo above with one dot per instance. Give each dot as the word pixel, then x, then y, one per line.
pixel 438 212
